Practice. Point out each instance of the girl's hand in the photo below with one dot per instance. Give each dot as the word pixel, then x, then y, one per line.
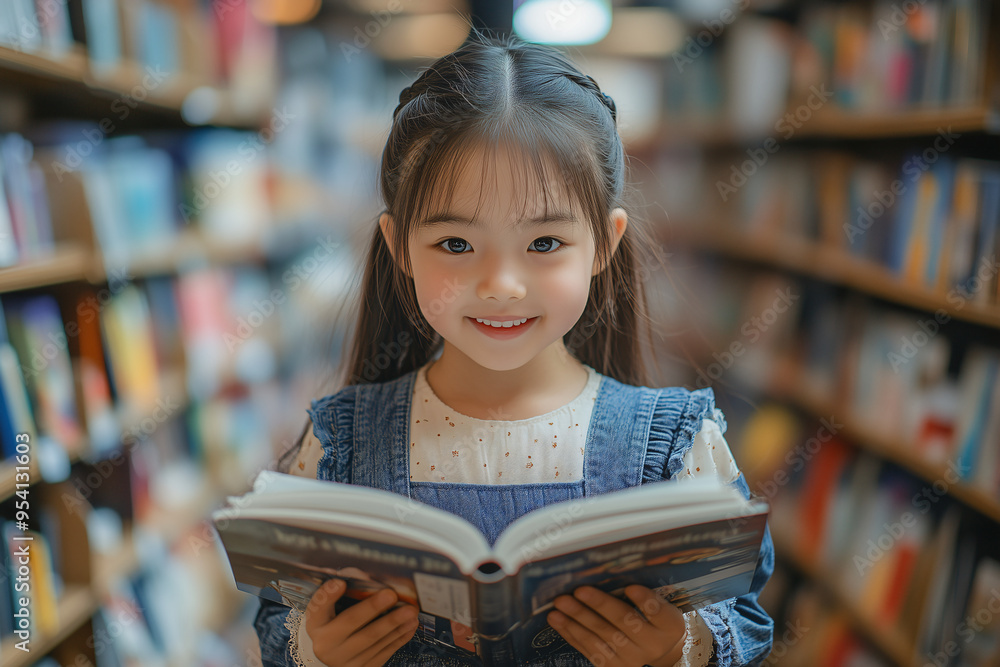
pixel 609 632
pixel 356 637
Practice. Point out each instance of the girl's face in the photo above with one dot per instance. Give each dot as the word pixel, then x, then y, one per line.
pixel 513 264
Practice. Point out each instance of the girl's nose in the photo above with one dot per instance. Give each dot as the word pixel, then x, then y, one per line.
pixel 501 280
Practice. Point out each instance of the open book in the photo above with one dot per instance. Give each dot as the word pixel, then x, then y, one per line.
pixel 695 542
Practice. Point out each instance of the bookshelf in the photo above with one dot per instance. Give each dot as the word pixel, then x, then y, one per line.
pixel 887 641
pixel 147 453
pixel 829 125
pixel 885 447
pixel 71 76
pixel 814 260
pixel 783 221
pixel 76 606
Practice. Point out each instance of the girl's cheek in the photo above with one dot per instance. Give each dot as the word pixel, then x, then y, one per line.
pixel 438 291
pixel 568 291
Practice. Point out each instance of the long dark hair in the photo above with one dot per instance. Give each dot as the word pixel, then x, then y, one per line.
pixel 498 89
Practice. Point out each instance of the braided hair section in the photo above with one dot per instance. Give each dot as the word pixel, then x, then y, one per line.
pixel 586 81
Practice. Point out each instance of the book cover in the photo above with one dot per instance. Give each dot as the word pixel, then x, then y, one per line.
pixel 8 244
pixel 694 542
pixel 959 245
pixel 104 44
pixel 36 331
pixel 127 328
pixel 982 638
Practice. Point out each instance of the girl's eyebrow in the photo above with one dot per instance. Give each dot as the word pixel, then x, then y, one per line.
pixel 446 217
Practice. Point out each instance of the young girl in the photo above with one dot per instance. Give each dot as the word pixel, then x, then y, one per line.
pixel 496 361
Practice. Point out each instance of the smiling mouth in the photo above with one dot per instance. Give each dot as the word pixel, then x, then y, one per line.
pixel 506 324
pixel 507 329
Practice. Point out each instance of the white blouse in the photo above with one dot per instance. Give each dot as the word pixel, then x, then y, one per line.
pixel 447 446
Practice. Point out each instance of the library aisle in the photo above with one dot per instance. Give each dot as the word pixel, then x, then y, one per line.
pixel 186 187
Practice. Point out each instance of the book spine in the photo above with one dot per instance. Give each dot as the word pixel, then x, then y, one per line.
pixel 495 607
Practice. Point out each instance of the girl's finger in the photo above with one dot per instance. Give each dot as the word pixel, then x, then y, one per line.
pixel 591 646
pixel 361 613
pixel 589 619
pixel 660 613
pixel 372 635
pixel 320 611
pixel 380 653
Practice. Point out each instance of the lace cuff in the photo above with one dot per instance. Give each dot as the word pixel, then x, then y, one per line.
pixel 300 644
pixel 697 643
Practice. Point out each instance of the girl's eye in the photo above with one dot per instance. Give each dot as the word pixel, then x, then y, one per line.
pixel 545 244
pixel 454 246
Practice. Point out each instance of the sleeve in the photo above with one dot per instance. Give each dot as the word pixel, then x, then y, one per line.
pixel 275 645
pixel 280 631
pixel 740 630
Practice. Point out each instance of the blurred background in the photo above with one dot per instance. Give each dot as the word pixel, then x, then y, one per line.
pixel 186 187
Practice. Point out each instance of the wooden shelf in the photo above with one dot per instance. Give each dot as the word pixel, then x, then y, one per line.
pixel 73 73
pixel 79 603
pixel 887 447
pixel 840 124
pixel 813 260
pixel 190 248
pixel 827 124
pixel 77 264
pixel 172 383
pixel 888 641
pixel 76 606
pixel 70 68
pixel 66 264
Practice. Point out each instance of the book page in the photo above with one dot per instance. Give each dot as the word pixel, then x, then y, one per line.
pixel 342 504
pixel 576 524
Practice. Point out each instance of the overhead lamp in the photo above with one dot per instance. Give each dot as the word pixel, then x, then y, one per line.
pixel 562 21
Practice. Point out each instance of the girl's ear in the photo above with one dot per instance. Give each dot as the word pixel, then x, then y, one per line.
pixel 619 221
pixel 385 222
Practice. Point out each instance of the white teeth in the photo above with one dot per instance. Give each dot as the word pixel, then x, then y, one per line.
pixel 505 325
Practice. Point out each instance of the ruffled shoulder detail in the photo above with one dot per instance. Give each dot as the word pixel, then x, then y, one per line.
pixel 677 418
pixel 333 425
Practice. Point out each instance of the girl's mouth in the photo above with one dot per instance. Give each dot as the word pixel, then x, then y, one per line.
pixel 502 333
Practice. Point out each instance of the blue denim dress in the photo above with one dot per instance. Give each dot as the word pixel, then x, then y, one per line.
pixel 636 435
